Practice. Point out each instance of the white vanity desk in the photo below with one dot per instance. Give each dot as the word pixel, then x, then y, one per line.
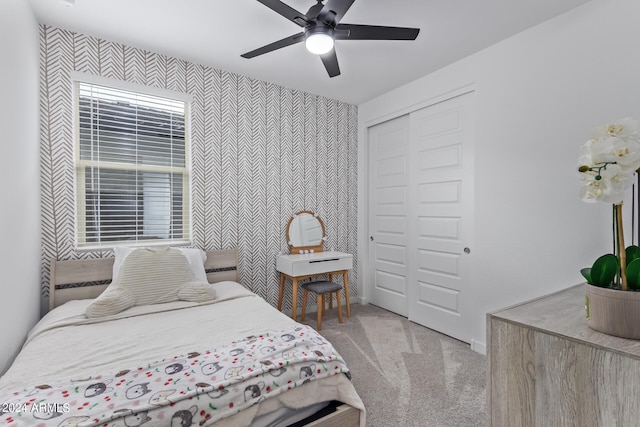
pixel 302 266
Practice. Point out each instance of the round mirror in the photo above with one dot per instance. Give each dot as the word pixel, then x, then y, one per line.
pixel 305 232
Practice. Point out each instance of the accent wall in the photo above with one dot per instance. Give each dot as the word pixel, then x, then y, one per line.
pixel 260 152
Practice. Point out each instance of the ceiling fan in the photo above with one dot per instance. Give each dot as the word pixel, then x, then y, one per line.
pixel 321 27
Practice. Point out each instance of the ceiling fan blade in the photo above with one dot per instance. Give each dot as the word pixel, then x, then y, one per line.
pixel 314 10
pixel 288 12
pixel 330 61
pixel 287 41
pixel 374 32
pixel 339 7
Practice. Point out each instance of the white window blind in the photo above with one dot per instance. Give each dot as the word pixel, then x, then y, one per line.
pixel 131 167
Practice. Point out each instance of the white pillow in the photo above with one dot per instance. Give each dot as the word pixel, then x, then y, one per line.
pixel 152 275
pixel 196 258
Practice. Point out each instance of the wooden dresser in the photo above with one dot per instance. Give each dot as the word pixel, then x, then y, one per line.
pixel 546 367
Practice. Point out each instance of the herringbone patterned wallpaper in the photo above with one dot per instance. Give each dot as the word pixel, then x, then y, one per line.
pixel 259 153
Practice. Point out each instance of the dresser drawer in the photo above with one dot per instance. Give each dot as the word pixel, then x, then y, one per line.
pixel 303 265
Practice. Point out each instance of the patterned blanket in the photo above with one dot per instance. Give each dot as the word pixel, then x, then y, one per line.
pixel 195 388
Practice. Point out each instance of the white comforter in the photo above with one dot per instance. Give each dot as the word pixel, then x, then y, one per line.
pixel 65 344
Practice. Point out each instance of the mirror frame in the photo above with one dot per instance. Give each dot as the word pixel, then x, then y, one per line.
pixel 298 249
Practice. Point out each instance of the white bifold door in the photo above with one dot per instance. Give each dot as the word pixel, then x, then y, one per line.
pixel 421 215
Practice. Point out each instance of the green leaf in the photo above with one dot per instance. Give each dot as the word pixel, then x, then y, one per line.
pixel 586 273
pixel 633 274
pixel 604 270
pixel 633 253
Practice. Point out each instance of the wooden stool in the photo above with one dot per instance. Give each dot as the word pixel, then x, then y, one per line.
pixel 320 289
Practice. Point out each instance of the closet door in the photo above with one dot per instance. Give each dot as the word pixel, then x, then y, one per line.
pixel 441 153
pixel 388 211
pixel 421 215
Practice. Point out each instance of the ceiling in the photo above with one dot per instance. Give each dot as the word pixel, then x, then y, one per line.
pixel 216 32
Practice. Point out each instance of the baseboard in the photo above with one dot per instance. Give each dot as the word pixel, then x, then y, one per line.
pixel 479 347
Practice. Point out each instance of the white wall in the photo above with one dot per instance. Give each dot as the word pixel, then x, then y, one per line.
pixel 538 94
pixel 20 177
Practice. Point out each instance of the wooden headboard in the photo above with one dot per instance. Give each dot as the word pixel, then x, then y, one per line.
pixel 93 273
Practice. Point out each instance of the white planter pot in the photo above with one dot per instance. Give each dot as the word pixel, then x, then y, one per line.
pixel 613 312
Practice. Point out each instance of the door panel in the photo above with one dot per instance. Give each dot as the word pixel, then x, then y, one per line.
pixel 442 172
pixel 389 205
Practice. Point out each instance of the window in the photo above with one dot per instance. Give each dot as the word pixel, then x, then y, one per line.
pixel 132 170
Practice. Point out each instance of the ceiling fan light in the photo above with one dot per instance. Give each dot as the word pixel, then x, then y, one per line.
pixel 319 43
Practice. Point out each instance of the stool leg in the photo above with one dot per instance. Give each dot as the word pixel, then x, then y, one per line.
pixel 339 306
pixel 320 306
pixel 304 304
pixel 345 280
pixel 330 293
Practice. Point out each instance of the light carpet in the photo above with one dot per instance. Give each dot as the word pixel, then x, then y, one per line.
pixel 406 374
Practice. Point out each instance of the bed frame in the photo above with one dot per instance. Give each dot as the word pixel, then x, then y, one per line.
pixel 96 274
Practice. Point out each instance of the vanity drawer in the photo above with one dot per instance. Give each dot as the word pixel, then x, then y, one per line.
pixel 303 265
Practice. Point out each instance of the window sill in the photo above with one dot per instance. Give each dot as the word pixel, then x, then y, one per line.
pixel 141 244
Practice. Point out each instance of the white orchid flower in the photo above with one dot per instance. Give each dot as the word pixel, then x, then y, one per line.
pixel 617 175
pixel 600 191
pixel 622 128
pixel 607 185
pixel 628 153
pixel 597 150
pixel 609 160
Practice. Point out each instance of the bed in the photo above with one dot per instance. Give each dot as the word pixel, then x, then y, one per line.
pixel 231 360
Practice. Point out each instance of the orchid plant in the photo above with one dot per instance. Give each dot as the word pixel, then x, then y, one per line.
pixel 608 164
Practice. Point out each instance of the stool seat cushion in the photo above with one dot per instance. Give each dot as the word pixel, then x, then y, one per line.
pixel 321 287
